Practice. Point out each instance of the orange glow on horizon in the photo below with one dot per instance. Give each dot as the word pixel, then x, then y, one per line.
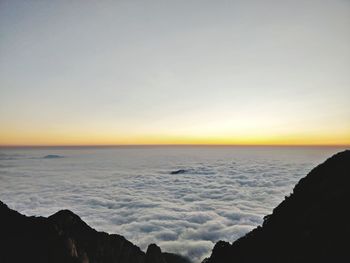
pixel 41 139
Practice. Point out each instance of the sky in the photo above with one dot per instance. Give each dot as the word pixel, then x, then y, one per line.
pixel 174 72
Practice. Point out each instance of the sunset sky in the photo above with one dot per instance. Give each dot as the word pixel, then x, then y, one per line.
pixel 175 72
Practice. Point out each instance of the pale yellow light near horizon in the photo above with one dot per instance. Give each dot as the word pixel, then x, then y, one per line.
pixel 212 135
pixel 105 140
pixel 172 72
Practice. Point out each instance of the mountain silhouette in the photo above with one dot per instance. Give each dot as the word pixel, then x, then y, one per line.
pixel 310 225
pixel 64 238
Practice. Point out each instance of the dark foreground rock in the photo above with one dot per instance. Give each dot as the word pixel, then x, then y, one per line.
pixel 311 225
pixel 65 238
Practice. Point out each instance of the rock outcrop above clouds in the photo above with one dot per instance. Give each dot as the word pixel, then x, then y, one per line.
pixel 310 225
pixel 64 237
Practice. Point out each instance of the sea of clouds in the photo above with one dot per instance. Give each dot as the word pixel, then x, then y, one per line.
pixel 221 194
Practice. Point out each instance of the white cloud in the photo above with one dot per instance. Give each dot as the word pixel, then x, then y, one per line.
pixel 134 194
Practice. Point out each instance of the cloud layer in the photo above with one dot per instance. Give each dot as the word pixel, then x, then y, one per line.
pixel 222 193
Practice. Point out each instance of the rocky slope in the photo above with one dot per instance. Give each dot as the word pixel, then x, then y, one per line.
pixel 311 225
pixel 64 237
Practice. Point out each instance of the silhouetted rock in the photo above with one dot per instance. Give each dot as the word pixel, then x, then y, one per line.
pixel 53 156
pixel 174 258
pixel 181 171
pixel 154 254
pixel 311 225
pixel 65 238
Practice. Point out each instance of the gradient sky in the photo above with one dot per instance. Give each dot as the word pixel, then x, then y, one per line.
pixel 174 72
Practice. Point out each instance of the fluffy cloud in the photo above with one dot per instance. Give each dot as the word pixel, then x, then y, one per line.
pixel 222 193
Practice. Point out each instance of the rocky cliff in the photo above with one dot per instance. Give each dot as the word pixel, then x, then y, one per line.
pixel 65 238
pixel 311 225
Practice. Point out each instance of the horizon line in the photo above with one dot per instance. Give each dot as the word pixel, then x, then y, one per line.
pixel 170 145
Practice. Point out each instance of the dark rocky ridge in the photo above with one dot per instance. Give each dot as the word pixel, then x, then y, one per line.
pixel 311 225
pixel 65 238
